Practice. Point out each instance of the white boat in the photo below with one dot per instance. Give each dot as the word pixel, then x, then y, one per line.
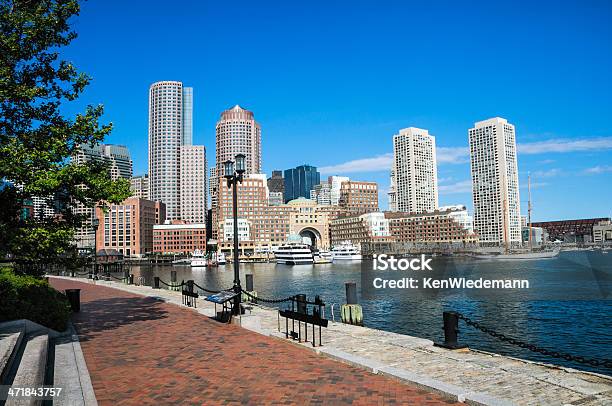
pixel 346 251
pixel 521 255
pixel 221 260
pixel 182 261
pixel 293 253
pixel 322 257
pixel 198 259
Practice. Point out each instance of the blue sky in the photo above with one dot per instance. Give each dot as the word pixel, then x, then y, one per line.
pixel 331 82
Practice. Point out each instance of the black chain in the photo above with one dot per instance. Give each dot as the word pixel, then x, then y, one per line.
pixel 531 347
pixel 81 273
pixel 114 277
pixel 207 290
pixel 173 285
pixel 260 299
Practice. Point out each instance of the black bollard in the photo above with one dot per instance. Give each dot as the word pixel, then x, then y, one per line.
pixel 301 303
pixel 173 277
pixel 351 293
pixel 190 285
pixel 74 297
pixel 249 282
pixel 131 279
pixel 156 282
pixel 451 331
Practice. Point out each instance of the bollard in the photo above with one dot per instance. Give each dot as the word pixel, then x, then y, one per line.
pixel 301 303
pixel 190 285
pixel 451 331
pixel 126 276
pixel 72 273
pixel 351 293
pixel 249 282
pixel 156 282
pixel 173 277
pixel 131 280
pixel 74 297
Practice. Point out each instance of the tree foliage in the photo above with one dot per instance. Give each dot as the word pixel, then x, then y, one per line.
pixel 37 139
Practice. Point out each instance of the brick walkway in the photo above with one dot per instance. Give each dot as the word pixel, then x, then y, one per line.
pixel 142 351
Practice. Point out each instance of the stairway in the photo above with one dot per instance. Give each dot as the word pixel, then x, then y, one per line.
pixel 32 356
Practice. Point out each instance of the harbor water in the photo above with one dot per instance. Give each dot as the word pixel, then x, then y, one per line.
pixel 579 326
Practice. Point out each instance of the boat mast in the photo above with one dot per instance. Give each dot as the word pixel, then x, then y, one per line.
pixel 529 209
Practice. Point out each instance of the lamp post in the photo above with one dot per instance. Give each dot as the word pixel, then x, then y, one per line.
pixel 94 225
pixel 233 177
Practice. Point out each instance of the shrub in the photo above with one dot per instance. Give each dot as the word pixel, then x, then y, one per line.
pixel 27 297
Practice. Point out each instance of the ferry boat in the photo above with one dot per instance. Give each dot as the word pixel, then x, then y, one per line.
pixel 346 251
pixel 221 260
pixel 198 259
pixel 322 257
pixel 293 253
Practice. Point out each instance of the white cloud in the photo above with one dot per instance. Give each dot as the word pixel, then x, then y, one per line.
pixel 375 164
pixel 464 186
pixel 461 155
pixel 598 169
pixel 550 173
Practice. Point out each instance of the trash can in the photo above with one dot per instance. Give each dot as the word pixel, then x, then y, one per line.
pixel 74 297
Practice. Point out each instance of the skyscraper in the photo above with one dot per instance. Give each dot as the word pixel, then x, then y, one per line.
pixel 238 133
pixel 300 181
pixel 170 127
pixel 495 186
pixel 193 194
pixel 336 185
pixel 414 167
pixel 140 186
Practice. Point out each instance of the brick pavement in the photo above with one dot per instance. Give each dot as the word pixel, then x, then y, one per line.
pixel 143 351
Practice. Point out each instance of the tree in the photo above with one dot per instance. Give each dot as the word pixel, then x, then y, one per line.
pixel 37 141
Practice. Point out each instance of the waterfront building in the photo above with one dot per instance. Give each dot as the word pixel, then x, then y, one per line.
pixel 602 232
pixel 321 193
pixel 539 236
pixel 366 228
pixel 140 186
pixel 269 225
pixel 336 185
pixel 307 220
pixel 275 198
pixel 495 185
pixel 179 237
pixel 213 191
pixel 238 133
pixel 571 231
pixel 119 163
pixel 193 193
pixel 170 127
pixel 415 171
pixel 358 197
pixel 460 213
pixel 244 230
pixel 128 227
pixel 276 183
pixel 435 227
pixel 300 181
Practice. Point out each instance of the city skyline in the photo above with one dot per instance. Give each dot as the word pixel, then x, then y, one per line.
pixel 563 136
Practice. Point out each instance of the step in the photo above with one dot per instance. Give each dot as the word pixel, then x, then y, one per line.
pixel 10 342
pixel 70 373
pixel 32 366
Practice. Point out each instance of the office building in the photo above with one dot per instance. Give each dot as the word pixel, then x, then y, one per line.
pixel 602 232
pixel 179 237
pixel 321 193
pixel 358 197
pixel 414 171
pixel 300 181
pixel 238 133
pixel 307 220
pixel 571 230
pixel 140 186
pixel 128 227
pixel 275 198
pixel 336 185
pixel 495 185
pixel 276 183
pixel 170 127
pixel 193 193
pixel 460 214
pixel 392 193
pixel 436 227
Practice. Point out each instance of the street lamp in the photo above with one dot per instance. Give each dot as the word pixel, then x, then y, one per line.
pixel 234 175
pixel 94 225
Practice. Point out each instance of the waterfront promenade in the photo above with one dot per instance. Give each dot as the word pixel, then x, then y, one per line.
pixel 140 350
pixel 122 321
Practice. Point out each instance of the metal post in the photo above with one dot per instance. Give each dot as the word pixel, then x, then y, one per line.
pixel 351 292
pixel 237 287
pixel 451 331
pixel 156 282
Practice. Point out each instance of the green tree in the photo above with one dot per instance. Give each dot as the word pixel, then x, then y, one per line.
pixel 37 139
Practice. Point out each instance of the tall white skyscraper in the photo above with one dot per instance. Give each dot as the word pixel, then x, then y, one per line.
pixel 170 127
pixel 238 133
pixel 193 183
pixel 336 185
pixel 495 186
pixel 392 193
pixel 415 171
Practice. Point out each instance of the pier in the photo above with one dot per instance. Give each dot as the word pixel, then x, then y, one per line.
pixel 470 376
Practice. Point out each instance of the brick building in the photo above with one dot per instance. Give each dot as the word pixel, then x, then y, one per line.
pixel 179 237
pixel 358 197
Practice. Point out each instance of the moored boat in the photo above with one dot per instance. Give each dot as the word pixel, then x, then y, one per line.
pixel 346 251
pixel 293 253
pixel 198 259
